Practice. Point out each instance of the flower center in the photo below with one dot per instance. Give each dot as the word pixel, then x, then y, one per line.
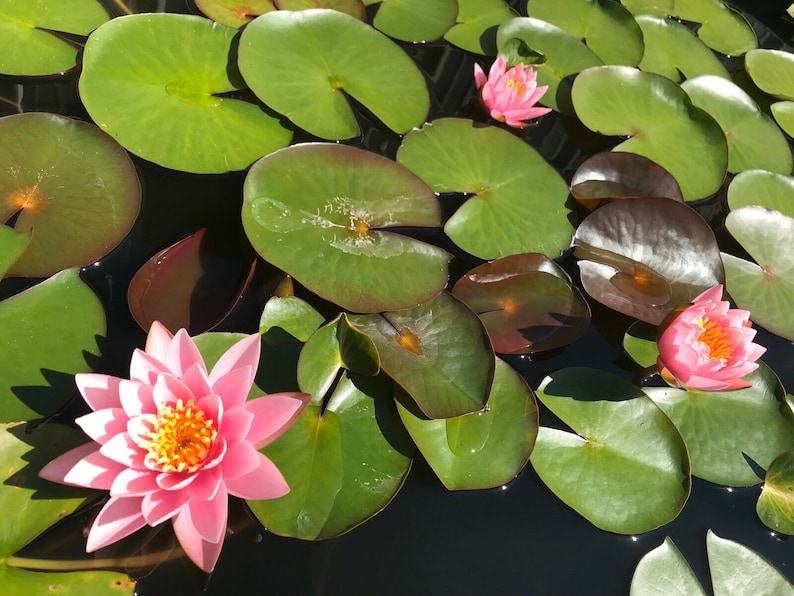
pixel 518 87
pixel 180 438
pixel 716 338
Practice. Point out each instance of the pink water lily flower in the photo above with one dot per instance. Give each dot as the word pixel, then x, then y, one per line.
pixel 510 94
pixel 174 440
pixel 708 345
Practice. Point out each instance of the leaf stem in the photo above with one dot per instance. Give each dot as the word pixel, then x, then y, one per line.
pixel 122 6
pixel 85 564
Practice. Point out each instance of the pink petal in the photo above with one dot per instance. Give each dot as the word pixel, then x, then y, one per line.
pixel 168 389
pixel 196 380
pixel 134 483
pixel 206 484
pixel 209 517
pixel 264 482
pixel 136 398
pixel 479 76
pixel 120 517
pixel 212 406
pixel 244 353
pixel 175 480
pixel 145 368
pixel 160 506
pixel 99 391
pixel 204 554
pixel 233 387
pixel 158 340
pixel 103 424
pixel 122 449
pixel 83 466
pixel 182 354
pixel 236 424
pixel 240 460
pixel 711 295
pixel 273 415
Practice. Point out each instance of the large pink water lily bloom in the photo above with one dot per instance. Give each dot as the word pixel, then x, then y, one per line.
pixel 174 440
pixel 510 94
pixel 708 345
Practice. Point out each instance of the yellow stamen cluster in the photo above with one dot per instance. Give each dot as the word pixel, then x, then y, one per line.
pixel 180 438
pixel 519 87
pixel 716 338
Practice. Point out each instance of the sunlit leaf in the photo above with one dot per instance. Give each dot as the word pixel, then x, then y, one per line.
pixel 292 314
pixel 355 8
pixel 304 64
pixel 775 505
pixel 160 85
pixel 626 469
pixel 519 200
pixel 526 302
pixel 475 26
pixel 322 213
pixel 69 183
pixel 772 71
pixel 761 426
pixel 736 569
pixel 483 449
pixel 664 572
pixel 415 20
pixel 234 13
pixel 640 344
pixel 12 245
pixel 765 189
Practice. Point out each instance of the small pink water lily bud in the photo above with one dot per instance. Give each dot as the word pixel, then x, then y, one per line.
pixel 175 440
pixel 510 94
pixel 708 345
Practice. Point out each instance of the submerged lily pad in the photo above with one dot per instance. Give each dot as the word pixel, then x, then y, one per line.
pixel 607 27
pixel 766 287
pixel 526 302
pixel 415 20
pixel 754 140
pixel 483 449
pixel 322 213
pixel 68 183
pixel 646 257
pixel 476 24
pixel 234 13
pixel 672 50
pixel 50 332
pixel 160 85
pixel 761 426
pixel 519 202
pixel 626 469
pixel 721 28
pixel 304 63
pixel 563 53
pixel 438 352
pixel 663 123
pixel 29 30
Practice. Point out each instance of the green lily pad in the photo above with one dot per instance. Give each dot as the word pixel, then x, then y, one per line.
pixel 664 125
pixel 783 112
pixel 765 189
pixel 343 464
pixel 721 28
pixel 736 569
pixel 29 30
pixel 292 314
pixel 234 13
pixel 503 217
pixel 672 50
pixel 772 71
pixel 563 53
pixel 766 289
pixel 355 8
pixel 68 182
pixel 49 333
pixel 12 245
pixel 775 505
pixel 322 212
pixel 438 352
pixel 476 24
pixel 754 140
pixel 483 449
pixel 639 342
pixel 159 84
pixel 303 64
pixel 646 257
pixel 607 28
pixel 665 572
pixel 626 470
pixel 526 302
pixel 415 20
pixel 761 426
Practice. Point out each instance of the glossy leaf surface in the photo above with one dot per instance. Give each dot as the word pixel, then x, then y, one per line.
pixel 476 24
pixel 503 216
pixel 736 569
pixel 761 427
pixel 775 505
pixel 355 8
pixel 415 20
pixel 12 245
pixel 322 213
pixel 292 314
pixel 73 185
pixel 483 449
pixel 764 189
pixel 626 468
pixel 646 257
pixel 173 73
pixel 438 352
pixel 49 333
pixel 30 45
pixel 664 572
pixel 664 125
pixel 526 302
pixel 639 342
pixel 304 64
pixel 773 72
pixel 234 13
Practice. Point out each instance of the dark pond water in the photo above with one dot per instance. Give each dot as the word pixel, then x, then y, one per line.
pixel 519 539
